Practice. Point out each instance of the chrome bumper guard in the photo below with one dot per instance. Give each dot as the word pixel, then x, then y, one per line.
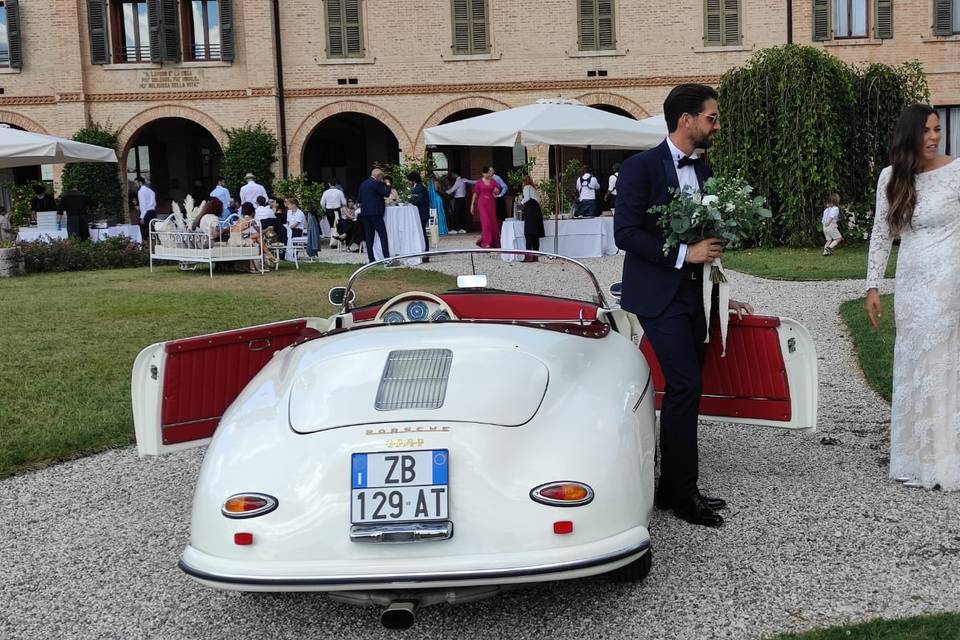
pixel 405 532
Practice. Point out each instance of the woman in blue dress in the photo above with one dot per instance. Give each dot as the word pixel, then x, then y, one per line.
pixel 436 202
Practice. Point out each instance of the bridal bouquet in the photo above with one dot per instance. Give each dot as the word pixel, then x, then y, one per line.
pixel 726 209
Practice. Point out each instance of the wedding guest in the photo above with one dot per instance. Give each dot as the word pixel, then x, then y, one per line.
pixel 246 233
pixel 263 210
pixel 587 187
pixel 251 190
pixel 350 230
pixel 918 199
pixel 532 217
pixel 372 195
pixel 279 210
pixel 232 208
pixel 266 216
pixel 458 191
pixel 42 200
pixel 332 202
pixel 394 197
pixel 485 191
pixel 221 192
pixel 420 198
pixel 499 202
pixel 666 291
pixel 296 219
pixel 147 203
pixel 612 186
pixel 73 204
pixel 6 226
pixel 209 219
pixel 436 203
pixel 831 215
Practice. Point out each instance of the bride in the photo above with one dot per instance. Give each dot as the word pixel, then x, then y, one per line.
pixel 918 198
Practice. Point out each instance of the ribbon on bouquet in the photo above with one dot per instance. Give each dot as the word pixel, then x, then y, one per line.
pixel 710 270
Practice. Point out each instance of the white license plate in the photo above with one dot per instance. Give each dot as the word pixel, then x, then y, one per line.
pixel 399 486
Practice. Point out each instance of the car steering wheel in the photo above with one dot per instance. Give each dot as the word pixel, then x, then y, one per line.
pixel 390 313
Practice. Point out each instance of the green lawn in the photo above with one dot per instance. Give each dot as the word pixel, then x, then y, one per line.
pixel 874 348
pixel 848 263
pixel 944 626
pixel 68 341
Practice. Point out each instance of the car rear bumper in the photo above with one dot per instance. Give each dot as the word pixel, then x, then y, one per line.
pixel 564 563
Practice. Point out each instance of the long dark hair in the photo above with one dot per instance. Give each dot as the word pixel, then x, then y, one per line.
pixel 904 161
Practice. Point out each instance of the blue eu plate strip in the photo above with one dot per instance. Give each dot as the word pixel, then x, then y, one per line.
pixel 359 474
pixel 440 459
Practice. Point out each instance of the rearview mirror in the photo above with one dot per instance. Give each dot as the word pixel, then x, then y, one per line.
pixel 335 296
pixel 616 289
pixel 471 282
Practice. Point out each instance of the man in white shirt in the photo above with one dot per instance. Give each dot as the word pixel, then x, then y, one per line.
pixel 222 193
pixel 458 219
pixel 612 186
pixel 332 201
pixel 587 187
pixel 250 191
pixel 147 203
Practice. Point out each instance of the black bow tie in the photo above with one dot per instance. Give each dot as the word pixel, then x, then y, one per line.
pixel 688 160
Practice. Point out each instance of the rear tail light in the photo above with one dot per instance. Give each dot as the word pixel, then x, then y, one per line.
pixel 562 494
pixel 248 505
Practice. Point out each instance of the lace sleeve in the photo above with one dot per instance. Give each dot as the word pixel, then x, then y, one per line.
pixel 880 239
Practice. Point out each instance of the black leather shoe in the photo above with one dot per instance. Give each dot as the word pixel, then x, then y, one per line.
pixel 713 503
pixel 662 499
pixel 695 511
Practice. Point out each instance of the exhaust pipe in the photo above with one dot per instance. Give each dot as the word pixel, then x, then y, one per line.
pixel 399 615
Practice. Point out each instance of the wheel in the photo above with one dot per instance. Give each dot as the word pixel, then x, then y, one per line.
pixel 636 571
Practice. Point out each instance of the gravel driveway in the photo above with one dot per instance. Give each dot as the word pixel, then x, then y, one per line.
pixel 816 536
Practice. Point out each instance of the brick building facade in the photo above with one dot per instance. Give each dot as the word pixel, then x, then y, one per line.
pixel 361 79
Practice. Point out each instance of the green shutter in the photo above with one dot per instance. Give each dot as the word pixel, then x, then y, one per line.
pixel 154 20
pixel 97 28
pixel 13 33
pixel 942 18
pixel 588 25
pixel 883 19
pixel 479 41
pixel 352 28
pixel 169 31
pixel 227 47
pixel 335 44
pixel 460 10
pixel 731 22
pixel 821 20
pixel 471 28
pixel 712 23
pixel 606 34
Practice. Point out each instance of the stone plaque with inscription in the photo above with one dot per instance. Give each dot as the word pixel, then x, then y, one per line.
pixel 170 79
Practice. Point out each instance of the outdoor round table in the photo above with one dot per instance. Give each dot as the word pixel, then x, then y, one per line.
pixel 579 238
pixel 404 232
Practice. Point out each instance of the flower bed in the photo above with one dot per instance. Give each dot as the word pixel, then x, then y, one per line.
pixel 74 255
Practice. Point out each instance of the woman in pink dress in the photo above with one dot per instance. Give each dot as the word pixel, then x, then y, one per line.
pixel 484 192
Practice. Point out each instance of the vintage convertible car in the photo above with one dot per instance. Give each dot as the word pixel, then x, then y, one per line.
pixel 438 448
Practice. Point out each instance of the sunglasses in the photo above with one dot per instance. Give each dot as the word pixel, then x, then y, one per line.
pixel 712 117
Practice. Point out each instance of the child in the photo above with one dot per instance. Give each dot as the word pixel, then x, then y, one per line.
pixel 830 231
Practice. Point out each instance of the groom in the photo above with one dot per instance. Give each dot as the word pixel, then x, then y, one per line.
pixel 666 292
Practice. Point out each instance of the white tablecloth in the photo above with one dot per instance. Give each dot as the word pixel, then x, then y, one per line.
pixel 404 232
pixel 32 234
pixel 584 238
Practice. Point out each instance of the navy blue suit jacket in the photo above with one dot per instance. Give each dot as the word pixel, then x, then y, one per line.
pixel 370 195
pixel 650 279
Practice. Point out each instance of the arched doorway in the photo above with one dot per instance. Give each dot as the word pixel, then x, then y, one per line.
pixel 346 146
pixel 177 156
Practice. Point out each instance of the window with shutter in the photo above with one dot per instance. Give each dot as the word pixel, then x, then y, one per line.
pixel 946 17
pixel 849 18
pixel 97 28
pixel 154 19
pixel 596 21
pixel 203 25
pixel 721 23
pixel 883 19
pixel 169 31
pixel 227 46
pixel 471 30
pixel 821 20
pixel 344 29
pixel 11 17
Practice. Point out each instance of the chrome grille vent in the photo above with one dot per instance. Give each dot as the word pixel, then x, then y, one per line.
pixel 414 379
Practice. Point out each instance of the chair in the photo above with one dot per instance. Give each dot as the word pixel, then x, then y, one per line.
pixel 299 245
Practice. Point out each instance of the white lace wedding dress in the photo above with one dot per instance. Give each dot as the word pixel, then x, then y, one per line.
pixel 925 416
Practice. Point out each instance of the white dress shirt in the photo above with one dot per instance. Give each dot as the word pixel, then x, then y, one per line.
pixel 459 188
pixel 830 214
pixel 250 191
pixel 529 193
pixel 501 184
pixel 332 198
pixel 612 184
pixel 264 212
pixel 587 186
pixel 687 177
pixel 223 194
pixel 146 200
pixel 297 219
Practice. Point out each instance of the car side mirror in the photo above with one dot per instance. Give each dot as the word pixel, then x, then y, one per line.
pixel 616 289
pixel 336 295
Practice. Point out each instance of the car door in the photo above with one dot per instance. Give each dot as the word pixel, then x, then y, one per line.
pixel 768 376
pixel 180 389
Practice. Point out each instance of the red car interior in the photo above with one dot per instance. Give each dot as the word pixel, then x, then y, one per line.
pixel 501 306
pixel 749 382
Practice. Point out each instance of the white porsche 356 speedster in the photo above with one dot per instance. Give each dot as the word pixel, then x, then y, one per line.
pixel 437 448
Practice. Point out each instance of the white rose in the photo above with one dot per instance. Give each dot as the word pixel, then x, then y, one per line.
pixel 709 200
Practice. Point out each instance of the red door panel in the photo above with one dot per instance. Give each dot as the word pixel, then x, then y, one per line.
pixel 750 382
pixel 203 375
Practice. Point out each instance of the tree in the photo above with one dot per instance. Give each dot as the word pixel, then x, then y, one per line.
pixel 99 181
pixel 250 149
pixel 799 124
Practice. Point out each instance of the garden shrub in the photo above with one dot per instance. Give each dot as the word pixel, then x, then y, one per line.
pixel 99 181
pixel 250 149
pixel 76 255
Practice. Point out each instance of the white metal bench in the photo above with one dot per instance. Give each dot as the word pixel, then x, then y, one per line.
pixel 174 243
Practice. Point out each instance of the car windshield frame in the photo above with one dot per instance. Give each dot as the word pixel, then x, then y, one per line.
pixel 347 299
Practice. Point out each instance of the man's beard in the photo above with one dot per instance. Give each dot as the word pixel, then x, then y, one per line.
pixel 704 142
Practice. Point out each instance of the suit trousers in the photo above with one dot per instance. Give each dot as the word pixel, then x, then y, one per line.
pixel 676 336
pixel 459 218
pixel 371 225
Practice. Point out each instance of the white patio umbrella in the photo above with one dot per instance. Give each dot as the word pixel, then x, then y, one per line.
pixel 24 148
pixel 554 121
pixel 659 122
